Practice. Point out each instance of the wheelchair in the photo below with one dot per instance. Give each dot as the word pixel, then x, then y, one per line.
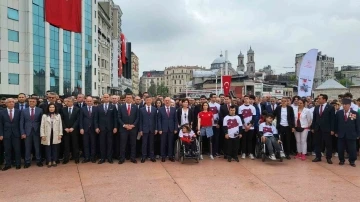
pixel 262 152
pixel 181 153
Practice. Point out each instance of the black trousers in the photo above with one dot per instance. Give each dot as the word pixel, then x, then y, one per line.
pixel 51 150
pixel 9 144
pixel 89 144
pixel 215 140
pixel 106 145
pixel 222 142
pixel 247 142
pixel 157 144
pixel 334 143
pixel 116 145
pixel 350 146
pixel 30 141
pixel 148 140
pixel 167 139
pixel 285 132
pixel 233 147
pixel 321 137
pixel 71 139
pixel 310 142
pixel 124 137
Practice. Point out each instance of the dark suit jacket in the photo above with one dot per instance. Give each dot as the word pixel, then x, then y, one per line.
pixel 167 123
pixel 9 129
pixel 349 129
pixel 26 124
pixel 86 120
pixel 17 105
pixel 290 116
pixel 124 118
pixel 326 121
pixel 270 110
pixel 77 104
pixel 105 121
pixel 73 120
pixel 197 110
pixel 190 116
pixel 45 104
pixel 224 112
pixel 148 122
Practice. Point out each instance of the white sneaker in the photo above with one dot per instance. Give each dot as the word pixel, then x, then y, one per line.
pixel 272 157
pixel 211 157
pixel 251 156
pixel 201 157
pixel 282 154
pixel 313 153
pixel 243 156
pixel 336 154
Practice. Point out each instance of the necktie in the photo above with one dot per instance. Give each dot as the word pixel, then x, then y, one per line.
pixel 89 111
pixel 21 107
pixel 345 116
pixel 106 107
pixel 148 110
pixel 272 106
pixel 80 105
pixel 168 111
pixel 128 110
pixel 321 109
pixel 228 107
pixel 32 115
pixel 69 112
pixel 11 116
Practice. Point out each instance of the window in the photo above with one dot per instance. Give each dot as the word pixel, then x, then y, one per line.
pixel 13 35
pixel 13 14
pixel 95 14
pixel 95 28
pixel 13 79
pixel 95 85
pixel 13 57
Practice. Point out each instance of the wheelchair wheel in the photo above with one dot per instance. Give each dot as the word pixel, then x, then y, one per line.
pixel 177 150
pixel 263 156
pixel 257 151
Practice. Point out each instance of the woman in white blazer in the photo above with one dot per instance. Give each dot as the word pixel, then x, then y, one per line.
pixel 303 119
pixel 51 132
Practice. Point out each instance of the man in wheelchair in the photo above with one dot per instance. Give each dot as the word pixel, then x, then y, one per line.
pixel 267 132
pixel 188 138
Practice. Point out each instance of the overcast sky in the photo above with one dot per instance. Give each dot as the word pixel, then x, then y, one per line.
pixel 193 32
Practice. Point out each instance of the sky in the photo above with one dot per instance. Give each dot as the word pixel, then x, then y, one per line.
pixel 194 32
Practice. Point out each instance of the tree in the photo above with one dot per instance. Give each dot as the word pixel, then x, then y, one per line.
pixel 152 88
pixel 345 82
pixel 127 90
pixel 162 90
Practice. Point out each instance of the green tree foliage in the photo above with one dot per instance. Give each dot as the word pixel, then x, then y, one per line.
pixel 127 90
pixel 162 90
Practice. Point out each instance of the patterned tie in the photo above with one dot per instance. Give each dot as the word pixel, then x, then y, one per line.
pixel 89 111
pixel 21 107
pixel 128 110
pixel 321 109
pixel 106 108
pixel 168 111
pixel 148 110
pixel 69 113
pixel 11 115
pixel 32 115
pixel 345 116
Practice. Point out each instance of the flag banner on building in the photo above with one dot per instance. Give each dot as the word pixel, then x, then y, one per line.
pixel 119 66
pixel 123 48
pixel 306 73
pixel 226 84
pixel 65 14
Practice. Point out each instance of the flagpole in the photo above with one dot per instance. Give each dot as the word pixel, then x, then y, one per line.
pixel 226 64
pixel 216 85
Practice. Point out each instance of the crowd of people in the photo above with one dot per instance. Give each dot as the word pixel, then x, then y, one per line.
pixel 99 130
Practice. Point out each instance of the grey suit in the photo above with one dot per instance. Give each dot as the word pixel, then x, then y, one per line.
pixel 30 126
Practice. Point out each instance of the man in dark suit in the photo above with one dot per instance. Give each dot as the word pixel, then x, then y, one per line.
pixel 347 129
pixel 323 127
pixel 87 130
pixel 272 106
pixel 148 128
pixel 224 111
pixel 116 138
pixel 70 121
pixel 106 125
pixel 21 104
pixel 80 101
pixel 10 133
pixel 197 110
pixel 30 129
pixel 51 98
pixel 167 126
pixel 128 119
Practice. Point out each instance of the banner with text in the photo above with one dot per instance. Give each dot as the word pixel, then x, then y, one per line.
pixel 306 73
pixel 226 84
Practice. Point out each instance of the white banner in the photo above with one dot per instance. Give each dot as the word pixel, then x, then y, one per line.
pixel 306 73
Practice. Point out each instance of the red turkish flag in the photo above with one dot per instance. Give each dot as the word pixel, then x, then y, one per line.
pixel 226 84
pixel 119 66
pixel 123 49
pixel 65 14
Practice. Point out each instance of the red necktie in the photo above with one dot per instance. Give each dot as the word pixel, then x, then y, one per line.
pixel 148 110
pixel 228 107
pixel 32 116
pixel 321 110
pixel 128 110
pixel 345 116
pixel 89 111
pixel 167 111
pixel 11 116
pixel 272 106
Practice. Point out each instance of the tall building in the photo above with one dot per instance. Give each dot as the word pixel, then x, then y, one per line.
pixel 116 84
pixel 135 73
pixel 241 66
pixel 148 77
pixel 250 65
pixel 36 56
pixel 324 69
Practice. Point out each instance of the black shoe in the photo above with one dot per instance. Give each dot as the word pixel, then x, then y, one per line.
pixel 163 160
pixel 329 161
pixel 316 160
pixel 229 159
pixel 93 160
pixel 18 167
pixel 101 161
pixel 39 164
pixel 77 161
pixel 172 159
pixel 65 162
pixel 237 159
pixel 288 157
pixel 133 161
pixel 153 160
pixel 142 160
pixel 110 161
pixel 353 164
pixel 6 168
pixel 121 161
pixel 27 165
pixel 341 163
pixel 85 161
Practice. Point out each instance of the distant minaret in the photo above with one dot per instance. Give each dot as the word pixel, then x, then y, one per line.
pixel 241 66
pixel 250 65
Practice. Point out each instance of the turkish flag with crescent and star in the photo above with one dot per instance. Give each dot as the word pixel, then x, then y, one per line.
pixel 214 110
pixel 226 84
pixel 246 113
pixel 232 123
pixel 267 129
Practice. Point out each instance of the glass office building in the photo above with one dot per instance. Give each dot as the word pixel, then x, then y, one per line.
pixel 36 56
